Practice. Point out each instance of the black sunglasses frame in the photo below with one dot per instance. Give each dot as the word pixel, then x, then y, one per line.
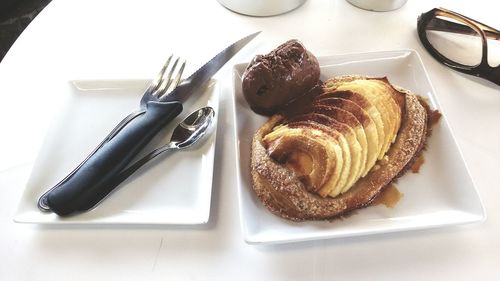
pixel 483 69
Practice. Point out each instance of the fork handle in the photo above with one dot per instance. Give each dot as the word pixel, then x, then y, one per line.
pixel 90 183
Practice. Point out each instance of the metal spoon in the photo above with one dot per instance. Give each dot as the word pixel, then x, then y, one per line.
pixel 188 132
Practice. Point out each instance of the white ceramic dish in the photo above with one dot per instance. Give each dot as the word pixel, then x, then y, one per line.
pixel 441 194
pixel 162 192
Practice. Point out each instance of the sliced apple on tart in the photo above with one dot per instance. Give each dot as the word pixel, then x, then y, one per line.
pixel 339 153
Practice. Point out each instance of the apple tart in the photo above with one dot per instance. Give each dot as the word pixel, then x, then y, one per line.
pixel 340 151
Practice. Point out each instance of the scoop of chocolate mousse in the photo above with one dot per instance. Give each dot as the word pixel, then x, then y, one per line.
pixel 272 81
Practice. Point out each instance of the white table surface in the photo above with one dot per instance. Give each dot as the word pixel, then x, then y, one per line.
pixel 114 39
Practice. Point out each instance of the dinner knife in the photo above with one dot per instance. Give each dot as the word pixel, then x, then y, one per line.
pixel 91 181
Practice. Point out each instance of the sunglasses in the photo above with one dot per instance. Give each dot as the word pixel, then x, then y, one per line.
pixel 461 43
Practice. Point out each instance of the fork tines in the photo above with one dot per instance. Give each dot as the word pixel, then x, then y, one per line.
pixel 168 78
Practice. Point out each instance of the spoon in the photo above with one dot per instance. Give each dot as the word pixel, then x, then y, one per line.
pixel 187 133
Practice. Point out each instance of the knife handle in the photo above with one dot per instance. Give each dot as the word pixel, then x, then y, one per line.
pixel 91 182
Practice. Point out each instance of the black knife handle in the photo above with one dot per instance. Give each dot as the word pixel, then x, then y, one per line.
pixel 88 185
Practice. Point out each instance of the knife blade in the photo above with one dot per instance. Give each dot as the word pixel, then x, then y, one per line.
pixel 92 180
pixel 204 73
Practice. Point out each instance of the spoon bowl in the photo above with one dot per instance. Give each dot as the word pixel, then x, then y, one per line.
pixel 193 128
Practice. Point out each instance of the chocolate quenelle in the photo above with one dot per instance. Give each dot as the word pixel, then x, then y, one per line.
pixel 272 81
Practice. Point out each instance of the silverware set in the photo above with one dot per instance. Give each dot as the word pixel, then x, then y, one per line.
pixel 109 164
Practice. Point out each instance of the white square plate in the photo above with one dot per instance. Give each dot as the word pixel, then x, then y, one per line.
pixel 441 194
pixel 162 192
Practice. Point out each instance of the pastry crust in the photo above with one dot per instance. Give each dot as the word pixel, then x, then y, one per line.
pixel 280 190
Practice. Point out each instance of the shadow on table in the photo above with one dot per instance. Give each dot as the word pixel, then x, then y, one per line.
pixel 15 16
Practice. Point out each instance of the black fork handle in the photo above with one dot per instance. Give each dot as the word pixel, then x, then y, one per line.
pixel 92 181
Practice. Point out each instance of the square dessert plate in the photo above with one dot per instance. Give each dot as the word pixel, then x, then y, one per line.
pixel 164 191
pixel 442 193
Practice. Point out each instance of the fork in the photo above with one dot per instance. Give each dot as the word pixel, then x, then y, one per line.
pixel 160 87
pixel 90 181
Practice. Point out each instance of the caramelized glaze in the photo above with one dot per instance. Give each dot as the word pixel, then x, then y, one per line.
pixel 389 197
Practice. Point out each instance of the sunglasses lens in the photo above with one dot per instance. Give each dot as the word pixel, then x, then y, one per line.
pixel 493 52
pixel 455 40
